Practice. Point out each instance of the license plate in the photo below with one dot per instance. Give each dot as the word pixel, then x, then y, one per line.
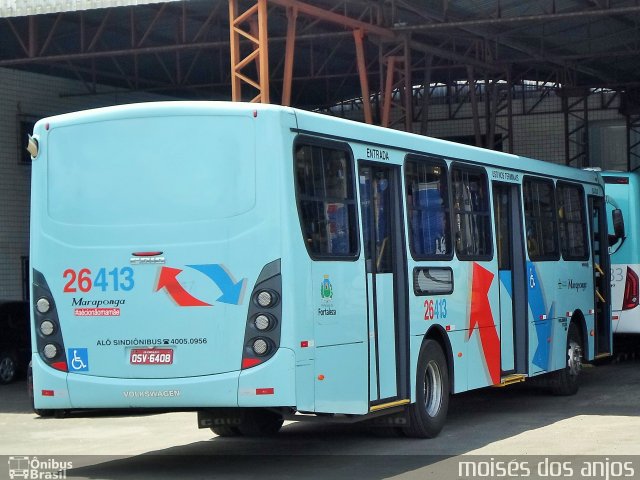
pixel 151 356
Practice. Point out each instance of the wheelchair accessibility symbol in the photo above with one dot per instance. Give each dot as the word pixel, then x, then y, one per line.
pixel 78 359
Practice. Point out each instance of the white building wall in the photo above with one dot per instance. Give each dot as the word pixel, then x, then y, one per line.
pixel 23 93
pixel 539 134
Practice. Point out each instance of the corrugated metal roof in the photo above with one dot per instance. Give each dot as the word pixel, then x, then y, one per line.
pixel 20 8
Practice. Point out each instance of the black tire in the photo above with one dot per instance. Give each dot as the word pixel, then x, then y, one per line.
pixel 428 415
pixel 37 411
pixel 8 368
pixel 260 423
pixel 226 431
pixel 567 380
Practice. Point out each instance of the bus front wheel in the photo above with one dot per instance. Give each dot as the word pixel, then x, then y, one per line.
pixel 565 381
pixel 427 416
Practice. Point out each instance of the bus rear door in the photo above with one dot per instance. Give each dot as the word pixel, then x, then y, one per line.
pixel 513 289
pixel 601 269
pixel 380 203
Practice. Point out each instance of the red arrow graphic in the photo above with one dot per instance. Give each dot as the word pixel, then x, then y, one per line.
pixel 481 317
pixel 169 281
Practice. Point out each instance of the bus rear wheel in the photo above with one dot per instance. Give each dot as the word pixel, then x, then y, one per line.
pixel 566 381
pixel 427 416
pixel 226 431
pixel 260 423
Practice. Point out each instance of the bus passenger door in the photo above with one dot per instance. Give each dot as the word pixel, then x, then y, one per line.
pixel 602 284
pixel 511 271
pixel 385 258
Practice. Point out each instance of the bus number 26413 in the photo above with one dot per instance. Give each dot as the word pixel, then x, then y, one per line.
pixel 435 309
pixel 83 280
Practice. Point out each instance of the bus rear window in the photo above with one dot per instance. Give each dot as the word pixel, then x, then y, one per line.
pixel 326 201
pixel 153 170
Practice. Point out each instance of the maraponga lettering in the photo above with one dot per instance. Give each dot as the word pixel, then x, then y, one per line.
pixel 577 285
pixel 81 302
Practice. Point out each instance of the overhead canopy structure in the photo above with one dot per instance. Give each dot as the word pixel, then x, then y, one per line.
pixel 20 8
pixel 182 48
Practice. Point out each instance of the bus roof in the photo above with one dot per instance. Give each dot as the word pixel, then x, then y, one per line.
pixel 337 128
pixel 355 132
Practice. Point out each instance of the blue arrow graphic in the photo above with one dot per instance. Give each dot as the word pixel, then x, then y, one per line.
pixel 232 291
pixel 538 309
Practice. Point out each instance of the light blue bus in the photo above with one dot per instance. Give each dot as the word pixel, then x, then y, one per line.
pixel 257 264
pixel 623 188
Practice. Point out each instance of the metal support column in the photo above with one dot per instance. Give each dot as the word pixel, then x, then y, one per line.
pixel 398 87
pixel 576 126
pixel 499 96
pixel 358 36
pixel 426 95
pixel 240 28
pixel 633 142
pixel 292 18
pixel 474 105
pixel 630 108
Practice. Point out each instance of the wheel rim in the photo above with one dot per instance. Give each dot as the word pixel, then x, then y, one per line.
pixel 432 389
pixel 7 369
pixel 574 360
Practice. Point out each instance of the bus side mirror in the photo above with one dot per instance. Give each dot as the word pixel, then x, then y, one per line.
pixel 618 226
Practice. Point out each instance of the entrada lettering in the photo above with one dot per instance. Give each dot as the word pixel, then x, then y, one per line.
pixel 377 154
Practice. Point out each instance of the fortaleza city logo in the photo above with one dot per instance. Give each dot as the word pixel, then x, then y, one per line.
pixel 326 289
pixel 38 468
pixel 326 293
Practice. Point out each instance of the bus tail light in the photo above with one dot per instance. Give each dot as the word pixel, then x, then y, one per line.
pixel 48 333
pixel 262 331
pixel 630 299
pixel 47 328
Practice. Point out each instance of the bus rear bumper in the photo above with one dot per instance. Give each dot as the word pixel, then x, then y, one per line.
pixel 626 321
pixel 270 384
pixel 49 386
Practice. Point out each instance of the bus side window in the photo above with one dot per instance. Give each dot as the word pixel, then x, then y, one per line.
pixel 540 219
pixel 472 213
pixel 572 221
pixel 326 201
pixel 427 207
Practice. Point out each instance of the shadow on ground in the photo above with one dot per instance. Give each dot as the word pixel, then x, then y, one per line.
pixel 476 419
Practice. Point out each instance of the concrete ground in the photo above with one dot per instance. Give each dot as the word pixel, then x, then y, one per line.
pixel 602 420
